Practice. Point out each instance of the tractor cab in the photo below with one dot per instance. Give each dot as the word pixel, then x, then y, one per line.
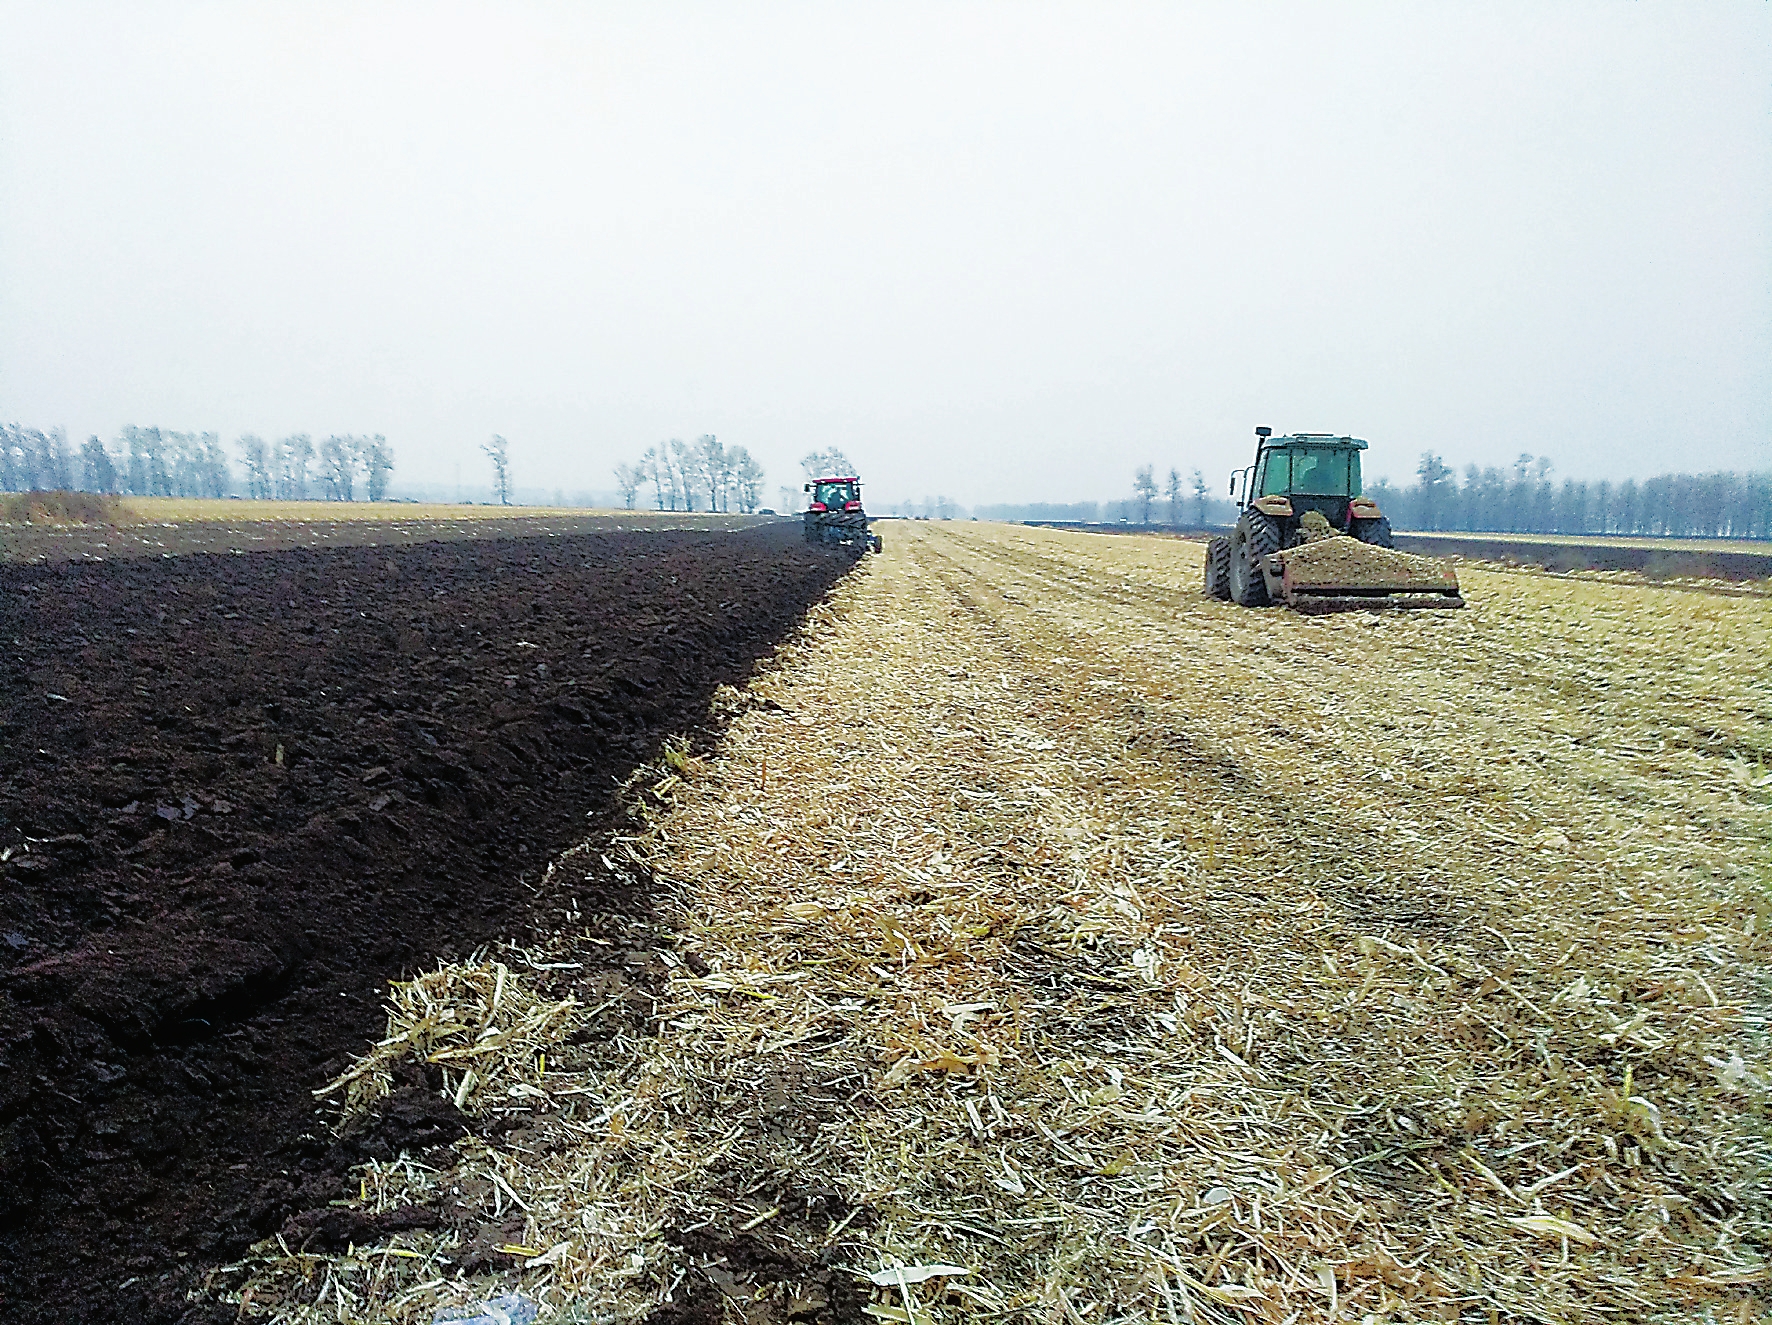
pixel 834 514
pixel 1305 472
pixel 834 494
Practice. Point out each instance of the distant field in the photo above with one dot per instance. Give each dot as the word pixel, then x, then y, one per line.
pixel 1658 558
pixel 172 526
pixel 1758 547
pixel 1735 559
pixel 214 509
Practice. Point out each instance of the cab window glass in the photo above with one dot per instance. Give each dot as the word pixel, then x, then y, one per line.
pixel 1325 473
pixel 835 495
pixel 1276 475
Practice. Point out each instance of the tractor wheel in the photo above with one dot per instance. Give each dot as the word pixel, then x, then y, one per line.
pixel 878 545
pixel 1255 536
pixel 1376 532
pixel 1218 567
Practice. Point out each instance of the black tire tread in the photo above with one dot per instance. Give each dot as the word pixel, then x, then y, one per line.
pixel 1376 532
pixel 1218 568
pixel 1263 537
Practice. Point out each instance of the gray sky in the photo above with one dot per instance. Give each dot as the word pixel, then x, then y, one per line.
pixel 1006 252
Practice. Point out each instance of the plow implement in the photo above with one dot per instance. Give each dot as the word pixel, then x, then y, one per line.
pixel 1342 574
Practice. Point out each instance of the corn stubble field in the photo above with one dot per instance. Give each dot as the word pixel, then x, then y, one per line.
pixel 1043 939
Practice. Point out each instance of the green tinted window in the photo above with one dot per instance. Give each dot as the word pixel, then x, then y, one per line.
pixel 1276 475
pixel 1320 473
pixel 1310 471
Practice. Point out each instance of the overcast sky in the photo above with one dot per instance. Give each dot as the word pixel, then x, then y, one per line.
pixel 1004 252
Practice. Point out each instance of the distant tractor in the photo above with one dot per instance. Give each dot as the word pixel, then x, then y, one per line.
pixel 1302 488
pixel 834 514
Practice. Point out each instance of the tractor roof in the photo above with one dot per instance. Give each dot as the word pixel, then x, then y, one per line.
pixel 1315 439
pixel 846 479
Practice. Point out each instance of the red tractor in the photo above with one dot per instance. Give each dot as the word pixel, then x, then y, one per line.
pixel 834 514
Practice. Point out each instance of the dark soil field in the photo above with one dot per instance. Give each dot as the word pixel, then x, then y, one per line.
pixel 240 793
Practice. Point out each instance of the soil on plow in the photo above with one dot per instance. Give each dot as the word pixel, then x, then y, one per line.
pixel 238 794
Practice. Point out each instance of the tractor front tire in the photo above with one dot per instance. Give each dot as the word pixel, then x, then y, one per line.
pixel 1376 532
pixel 877 544
pixel 1255 536
pixel 1218 568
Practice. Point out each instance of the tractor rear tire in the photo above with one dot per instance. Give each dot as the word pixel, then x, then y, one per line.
pixel 1376 532
pixel 1255 536
pixel 1218 568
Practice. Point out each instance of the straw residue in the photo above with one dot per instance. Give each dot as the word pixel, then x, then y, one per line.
pixel 475 1023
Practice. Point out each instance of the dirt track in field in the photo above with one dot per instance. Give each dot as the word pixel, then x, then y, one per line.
pixel 1150 957
pixel 240 793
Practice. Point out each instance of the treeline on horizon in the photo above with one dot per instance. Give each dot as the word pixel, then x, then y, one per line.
pixel 1526 499
pixel 1185 513
pixel 705 474
pixel 159 462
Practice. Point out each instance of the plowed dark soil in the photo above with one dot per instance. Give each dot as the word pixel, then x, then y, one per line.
pixel 238 794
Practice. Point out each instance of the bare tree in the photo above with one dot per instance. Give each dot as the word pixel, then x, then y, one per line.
pixel 213 466
pixel 828 463
pixel 1172 490
pixel 378 463
pixel 59 460
pixel 747 475
pixel 11 453
pixel 628 479
pixel 184 463
pixel 673 469
pixel 33 459
pixel 1144 492
pixel 290 460
pixel 1434 474
pixel 338 467
pixel 1198 488
pixel 683 473
pixel 20 461
pixel 499 452
pixel 147 472
pixel 789 498
pixel 255 459
pixel 98 474
pixel 654 465
pixel 710 464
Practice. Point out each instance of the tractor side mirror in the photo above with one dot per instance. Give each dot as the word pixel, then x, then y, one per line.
pixel 807 488
pixel 1264 432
